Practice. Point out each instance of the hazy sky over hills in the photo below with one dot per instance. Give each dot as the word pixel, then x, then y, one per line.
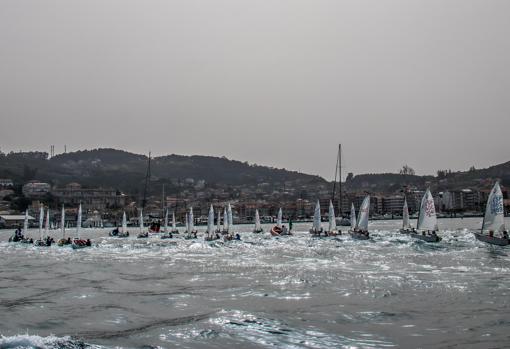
pixel 277 83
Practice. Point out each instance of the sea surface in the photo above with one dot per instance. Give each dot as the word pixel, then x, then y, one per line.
pixel 288 292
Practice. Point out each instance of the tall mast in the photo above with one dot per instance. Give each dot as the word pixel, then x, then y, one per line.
pixel 147 177
pixel 340 180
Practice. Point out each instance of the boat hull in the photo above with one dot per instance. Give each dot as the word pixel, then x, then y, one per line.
pixel 492 240
pixel 427 238
pixel 258 231
pixel 359 236
pixel 405 231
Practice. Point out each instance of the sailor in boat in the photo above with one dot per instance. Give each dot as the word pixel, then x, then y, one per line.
pixel 115 232
pixel 45 242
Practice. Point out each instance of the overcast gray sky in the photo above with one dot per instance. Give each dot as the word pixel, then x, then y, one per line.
pixel 277 83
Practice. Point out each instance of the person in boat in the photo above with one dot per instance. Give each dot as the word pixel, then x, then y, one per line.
pixel 115 231
pixel 505 235
pixel 284 230
pixel 238 237
pixel 88 243
pixel 491 233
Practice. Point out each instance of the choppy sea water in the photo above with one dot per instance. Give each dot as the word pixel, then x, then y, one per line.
pixel 289 292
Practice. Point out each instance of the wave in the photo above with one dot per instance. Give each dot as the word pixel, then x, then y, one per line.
pixel 38 342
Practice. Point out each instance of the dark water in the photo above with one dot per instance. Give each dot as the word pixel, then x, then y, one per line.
pixel 295 292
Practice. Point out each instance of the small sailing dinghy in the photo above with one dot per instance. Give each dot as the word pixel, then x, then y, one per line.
pixel 210 234
pixel 258 227
pixel 174 225
pixel 78 242
pixel 47 241
pixel 406 223
pixel 166 234
pixel 427 220
pixel 191 232
pixel 230 233
pixel 494 220
pixel 19 234
pixel 123 232
pixel 316 229
pixel 360 230
pixel 225 222
pixel 332 230
pixel 142 234
pixel 218 223
pixel 279 229
pixel 63 241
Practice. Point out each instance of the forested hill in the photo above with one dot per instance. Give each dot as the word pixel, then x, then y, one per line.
pixel 126 171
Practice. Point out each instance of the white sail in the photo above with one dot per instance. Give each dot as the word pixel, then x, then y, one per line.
pixel 230 219
pixel 363 214
pixel 78 222
pixel 257 221
pixel 140 219
pixel 279 218
pixel 210 222
pixel 124 223
pixel 47 225
pixel 174 225
pixel 332 218
pixel 218 222
pixel 225 220
pixel 187 223
pixel 427 220
pixel 191 220
pixel 316 225
pixel 406 223
pixel 63 222
pixel 494 219
pixel 41 220
pixel 25 223
pixel 353 217
pixel 166 221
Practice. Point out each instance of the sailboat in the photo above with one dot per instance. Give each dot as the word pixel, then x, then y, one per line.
pixel 225 222
pixel 278 229
pixel 19 236
pixel 78 242
pixel 191 232
pixel 406 223
pixel 63 241
pixel 211 234
pixel 166 234
pixel 316 225
pixel 360 230
pixel 230 235
pixel 41 241
pixel 427 220
pixel 174 225
pixel 258 227
pixel 142 234
pixel 124 233
pixel 218 223
pixel 494 220
pixel 332 231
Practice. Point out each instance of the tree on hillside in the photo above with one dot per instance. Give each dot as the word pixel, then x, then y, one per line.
pixel 407 170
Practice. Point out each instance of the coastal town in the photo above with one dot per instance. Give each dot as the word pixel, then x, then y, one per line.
pixel 105 206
